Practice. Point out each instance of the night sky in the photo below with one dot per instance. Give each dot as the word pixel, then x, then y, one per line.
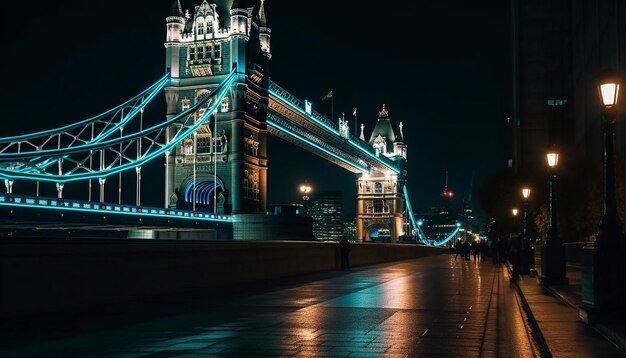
pixel 442 68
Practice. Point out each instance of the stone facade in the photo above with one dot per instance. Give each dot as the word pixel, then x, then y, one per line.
pixel 224 168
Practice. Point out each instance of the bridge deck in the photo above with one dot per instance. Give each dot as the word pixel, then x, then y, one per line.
pixel 423 307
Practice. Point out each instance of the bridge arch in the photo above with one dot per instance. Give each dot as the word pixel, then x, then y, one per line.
pixel 379 232
pixel 207 190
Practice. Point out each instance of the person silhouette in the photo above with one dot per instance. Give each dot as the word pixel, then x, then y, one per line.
pixel 344 250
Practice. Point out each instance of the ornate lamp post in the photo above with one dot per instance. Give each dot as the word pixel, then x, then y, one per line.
pixel 515 256
pixel 552 251
pixel 305 190
pixel 603 266
pixel 528 259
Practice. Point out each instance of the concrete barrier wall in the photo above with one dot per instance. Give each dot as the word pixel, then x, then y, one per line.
pixel 51 275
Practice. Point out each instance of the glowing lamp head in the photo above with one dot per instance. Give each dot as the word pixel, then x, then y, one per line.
pixel 553 159
pixel 608 89
pixel 420 223
pixel 514 211
pixel 526 192
pixel 305 189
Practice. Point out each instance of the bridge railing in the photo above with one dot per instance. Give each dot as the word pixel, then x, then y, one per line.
pixel 331 126
pixel 35 202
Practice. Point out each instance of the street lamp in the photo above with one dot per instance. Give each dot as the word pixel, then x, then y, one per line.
pixel 305 189
pixel 515 248
pixel 552 251
pixel 603 266
pixel 527 248
pixel 610 226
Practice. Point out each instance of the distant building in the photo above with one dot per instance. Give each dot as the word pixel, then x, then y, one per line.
pixel 349 228
pixel 326 212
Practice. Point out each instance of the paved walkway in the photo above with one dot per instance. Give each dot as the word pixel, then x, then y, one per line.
pixel 430 307
pixel 555 311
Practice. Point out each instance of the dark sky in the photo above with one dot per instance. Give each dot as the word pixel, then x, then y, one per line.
pixel 441 67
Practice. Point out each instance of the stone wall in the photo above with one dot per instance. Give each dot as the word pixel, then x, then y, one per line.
pixel 51 275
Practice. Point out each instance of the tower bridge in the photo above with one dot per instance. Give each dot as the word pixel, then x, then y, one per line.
pixel 221 105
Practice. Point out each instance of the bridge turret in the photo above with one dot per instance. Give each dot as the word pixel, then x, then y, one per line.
pixel 239 20
pixel 264 32
pixel 380 203
pixel 175 23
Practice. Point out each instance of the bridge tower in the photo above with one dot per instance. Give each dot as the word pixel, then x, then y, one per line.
pixel 380 200
pixel 222 169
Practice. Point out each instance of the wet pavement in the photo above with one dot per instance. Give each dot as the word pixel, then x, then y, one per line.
pixel 555 311
pixel 428 307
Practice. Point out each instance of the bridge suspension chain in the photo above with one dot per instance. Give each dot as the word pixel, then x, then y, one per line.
pixel 115 154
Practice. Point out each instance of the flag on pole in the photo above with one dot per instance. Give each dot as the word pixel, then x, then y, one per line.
pixel 354 112
pixel 328 95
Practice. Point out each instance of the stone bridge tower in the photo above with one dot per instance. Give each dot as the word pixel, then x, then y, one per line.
pixel 224 168
pixel 380 199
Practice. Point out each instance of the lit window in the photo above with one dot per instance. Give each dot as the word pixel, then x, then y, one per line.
pixel 185 104
pixel 200 26
pixel 225 104
pixel 203 143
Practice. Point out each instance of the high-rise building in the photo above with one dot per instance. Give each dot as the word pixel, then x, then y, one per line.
pixel 559 51
pixel 326 212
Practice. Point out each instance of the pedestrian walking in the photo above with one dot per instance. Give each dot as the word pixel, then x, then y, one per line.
pixel 459 250
pixel 344 250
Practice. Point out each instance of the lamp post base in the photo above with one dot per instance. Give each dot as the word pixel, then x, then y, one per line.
pixel 553 265
pixel 602 291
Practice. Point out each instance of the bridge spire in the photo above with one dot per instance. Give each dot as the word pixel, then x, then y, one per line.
pixel 264 31
pixel 176 9
pixel 362 136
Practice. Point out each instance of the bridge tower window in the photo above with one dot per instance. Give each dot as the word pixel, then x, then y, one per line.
pixel 225 103
pixel 203 141
pixel 192 54
pixel 201 53
pixel 200 26
pixel 188 146
pixel 185 103
pixel 378 188
pixel 209 29
pixel 217 51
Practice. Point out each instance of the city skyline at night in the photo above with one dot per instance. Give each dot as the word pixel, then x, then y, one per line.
pixel 452 120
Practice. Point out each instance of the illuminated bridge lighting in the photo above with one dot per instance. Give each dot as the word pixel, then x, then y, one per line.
pixel 154 88
pixel 104 208
pixel 299 110
pixel 332 130
pixel 309 142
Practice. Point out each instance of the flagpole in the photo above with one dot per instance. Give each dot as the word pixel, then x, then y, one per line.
pixel 332 116
pixel 355 126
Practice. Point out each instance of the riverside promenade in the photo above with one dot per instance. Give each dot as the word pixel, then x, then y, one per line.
pixel 425 307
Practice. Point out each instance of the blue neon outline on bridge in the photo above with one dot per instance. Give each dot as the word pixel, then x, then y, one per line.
pixel 219 90
pixel 109 209
pixel 307 141
pixel 420 234
pixel 332 130
pixel 160 84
